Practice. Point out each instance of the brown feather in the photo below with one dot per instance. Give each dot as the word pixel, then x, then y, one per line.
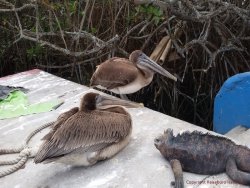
pixel 60 120
pixel 125 70
pixel 84 131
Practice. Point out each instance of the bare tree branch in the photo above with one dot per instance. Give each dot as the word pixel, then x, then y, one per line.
pixel 108 44
pixel 13 9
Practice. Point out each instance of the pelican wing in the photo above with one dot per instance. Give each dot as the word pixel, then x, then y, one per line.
pixel 85 132
pixel 60 120
pixel 115 72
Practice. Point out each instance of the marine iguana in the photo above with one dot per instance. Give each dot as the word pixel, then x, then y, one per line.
pixel 203 153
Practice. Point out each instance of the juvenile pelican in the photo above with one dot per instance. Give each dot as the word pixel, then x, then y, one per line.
pixel 95 131
pixel 125 76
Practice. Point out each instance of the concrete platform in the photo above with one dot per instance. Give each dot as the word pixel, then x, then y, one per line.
pixel 140 164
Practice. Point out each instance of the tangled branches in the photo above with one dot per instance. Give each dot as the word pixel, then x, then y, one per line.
pixel 38 36
pixel 215 45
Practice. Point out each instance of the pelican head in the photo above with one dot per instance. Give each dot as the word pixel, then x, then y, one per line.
pixel 92 101
pixel 143 62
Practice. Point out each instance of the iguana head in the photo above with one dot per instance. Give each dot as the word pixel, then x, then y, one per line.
pixel 160 140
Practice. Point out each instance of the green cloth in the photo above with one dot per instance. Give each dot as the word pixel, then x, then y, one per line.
pixel 16 104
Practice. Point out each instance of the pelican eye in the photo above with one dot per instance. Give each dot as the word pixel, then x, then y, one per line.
pixel 97 99
pixel 140 56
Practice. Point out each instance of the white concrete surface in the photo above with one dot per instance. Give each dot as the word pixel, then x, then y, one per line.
pixel 139 165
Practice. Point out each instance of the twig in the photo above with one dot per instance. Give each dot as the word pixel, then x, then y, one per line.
pixel 70 64
pixel 81 24
pixel 107 44
pixel 59 26
pixel 13 9
pixel 131 30
pixel 152 34
pixel 19 24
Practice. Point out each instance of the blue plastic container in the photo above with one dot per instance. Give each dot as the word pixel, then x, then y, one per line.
pixel 232 104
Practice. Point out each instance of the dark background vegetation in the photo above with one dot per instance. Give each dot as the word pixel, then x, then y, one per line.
pixel 69 38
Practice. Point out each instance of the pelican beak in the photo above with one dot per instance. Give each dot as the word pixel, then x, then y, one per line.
pixel 145 61
pixel 103 102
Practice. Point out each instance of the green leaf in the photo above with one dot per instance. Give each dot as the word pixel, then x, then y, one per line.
pixel 93 30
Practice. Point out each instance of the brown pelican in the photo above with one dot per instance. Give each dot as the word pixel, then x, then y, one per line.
pixel 95 131
pixel 125 76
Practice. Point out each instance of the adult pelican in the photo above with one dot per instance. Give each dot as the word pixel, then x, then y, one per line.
pixel 95 131
pixel 126 76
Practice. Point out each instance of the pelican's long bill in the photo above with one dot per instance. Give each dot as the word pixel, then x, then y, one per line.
pixel 103 102
pixel 144 60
